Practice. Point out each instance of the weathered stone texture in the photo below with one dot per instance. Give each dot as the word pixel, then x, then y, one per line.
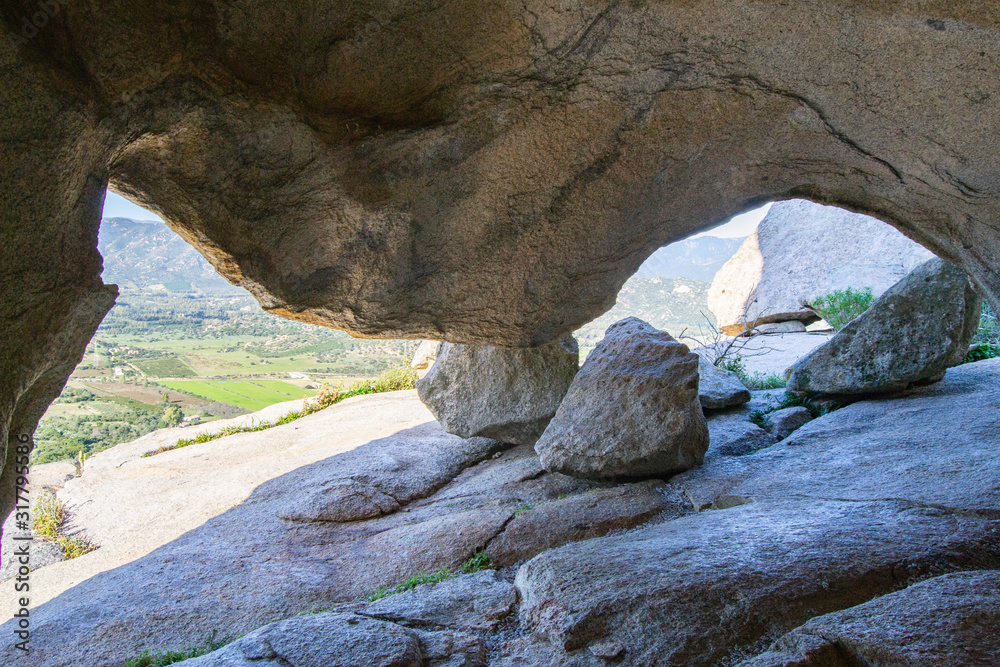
pixel 719 388
pixel 509 395
pixel 632 410
pixel 949 620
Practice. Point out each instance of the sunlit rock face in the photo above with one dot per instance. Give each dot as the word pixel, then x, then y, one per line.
pixel 472 172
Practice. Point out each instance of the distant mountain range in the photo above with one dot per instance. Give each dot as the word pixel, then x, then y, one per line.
pixel 141 255
pixel 694 259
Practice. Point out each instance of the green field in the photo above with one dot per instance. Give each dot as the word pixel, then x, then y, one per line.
pixel 249 395
pixel 165 367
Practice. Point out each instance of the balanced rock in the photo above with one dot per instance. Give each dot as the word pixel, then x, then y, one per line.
pixel 719 388
pixel 802 251
pixel 831 523
pixel 912 333
pixel 632 411
pixel 509 395
pixel 424 357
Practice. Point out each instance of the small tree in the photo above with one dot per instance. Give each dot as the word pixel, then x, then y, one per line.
pixel 172 416
pixel 841 306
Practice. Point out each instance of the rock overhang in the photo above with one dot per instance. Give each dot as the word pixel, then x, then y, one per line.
pixel 499 182
pixel 478 173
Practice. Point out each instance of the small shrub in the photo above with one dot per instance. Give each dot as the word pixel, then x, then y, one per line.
pixel 480 561
pixel 164 658
pixel 986 341
pixel 733 364
pixel 524 507
pixel 49 514
pixel 755 380
pixel 758 380
pixel 842 306
pixel 981 352
pixel 760 418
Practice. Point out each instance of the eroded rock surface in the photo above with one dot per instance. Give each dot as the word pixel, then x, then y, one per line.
pixel 913 333
pixel 733 434
pixel 584 516
pixel 818 523
pixel 248 567
pixel 346 640
pixel 948 620
pixel 632 411
pixel 802 251
pixel 509 395
pixel 933 445
pixel 470 602
pixel 381 476
pixel 745 570
pixel 782 423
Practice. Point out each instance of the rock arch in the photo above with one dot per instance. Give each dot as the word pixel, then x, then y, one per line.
pixel 466 171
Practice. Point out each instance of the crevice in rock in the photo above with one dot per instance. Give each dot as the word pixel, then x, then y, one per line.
pixel 989 514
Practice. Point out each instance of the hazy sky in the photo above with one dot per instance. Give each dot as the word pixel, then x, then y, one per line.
pixel 119 207
pixel 741 225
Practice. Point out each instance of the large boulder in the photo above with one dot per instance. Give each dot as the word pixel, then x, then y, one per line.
pixel 802 251
pixel 509 395
pixel 690 592
pixel 912 333
pixel 632 411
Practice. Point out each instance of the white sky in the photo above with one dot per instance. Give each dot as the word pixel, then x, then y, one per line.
pixel 119 207
pixel 741 225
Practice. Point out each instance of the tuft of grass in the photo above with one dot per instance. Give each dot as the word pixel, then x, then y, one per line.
pixel 480 561
pixel 524 507
pixel 394 379
pixel 840 307
pixel 164 658
pixel 49 514
pixel 754 380
pixel 760 418
pixel 758 380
